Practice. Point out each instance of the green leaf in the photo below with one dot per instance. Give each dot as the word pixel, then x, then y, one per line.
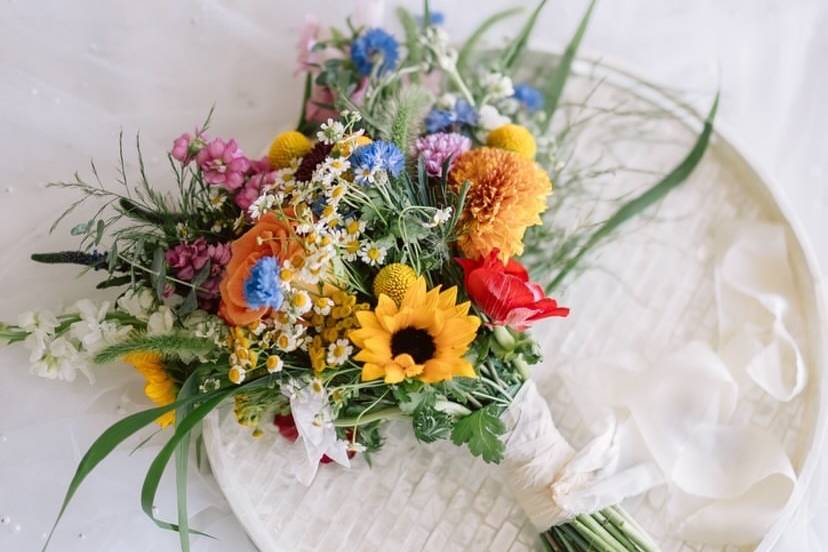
pixel 81 229
pixel 172 344
pixel 156 469
pixel 470 45
pixel 512 54
pixel 301 126
pixel 114 282
pixel 159 272
pixel 412 36
pixel 188 389
pixel 429 423
pixel 554 87
pixel 646 199
pixel 99 232
pixel 112 258
pixel 109 440
pixel 481 430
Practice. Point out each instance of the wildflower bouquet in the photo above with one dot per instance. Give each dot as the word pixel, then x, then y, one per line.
pixel 367 268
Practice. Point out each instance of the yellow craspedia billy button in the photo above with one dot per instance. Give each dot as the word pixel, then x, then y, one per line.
pixel 394 280
pixel 286 147
pixel 514 138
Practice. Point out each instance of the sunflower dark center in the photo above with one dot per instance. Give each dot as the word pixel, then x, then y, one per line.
pixel 415 342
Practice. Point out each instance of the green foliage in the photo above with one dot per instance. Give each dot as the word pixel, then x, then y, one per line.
pixel 412 37
pixel 639 203
pixel 403 116
pixel 429 423
pixel 179 345
pixel 111 438
pixel 481 431
pixel 467 51
pixel 512 53
pixel 555 85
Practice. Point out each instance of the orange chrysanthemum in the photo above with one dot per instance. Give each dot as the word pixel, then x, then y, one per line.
pixel 507 194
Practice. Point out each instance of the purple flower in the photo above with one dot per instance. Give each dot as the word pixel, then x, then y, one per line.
pixel 223 164
pixel 187 259
pixel 435 149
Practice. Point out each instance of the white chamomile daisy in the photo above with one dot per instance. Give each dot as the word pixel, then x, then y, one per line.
pixel 373 254
pixel 300 302
pixel 274 364
pixel 339 352
pixel 322 305
pixel 441 216
pixel 331 132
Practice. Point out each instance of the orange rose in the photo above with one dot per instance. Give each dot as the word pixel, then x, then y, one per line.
pixel 270 237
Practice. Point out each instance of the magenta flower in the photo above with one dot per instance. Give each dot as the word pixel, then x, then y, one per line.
pixel 263 178
pixel 223 164
pixel 437 148
pixel 181 148
pixel 187 259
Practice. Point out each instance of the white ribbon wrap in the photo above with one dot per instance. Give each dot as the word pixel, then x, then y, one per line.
pixel 550 480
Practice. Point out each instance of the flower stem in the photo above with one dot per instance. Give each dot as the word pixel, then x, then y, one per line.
pixel 391 413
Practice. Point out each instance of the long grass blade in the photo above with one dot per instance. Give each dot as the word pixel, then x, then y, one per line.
pixel 646 199
pixel 466 52
pixel 512 54
pixel 554 87
pixel 116 434
pixel 188 389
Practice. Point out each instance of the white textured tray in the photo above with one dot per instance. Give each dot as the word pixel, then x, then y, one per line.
pixel 654 289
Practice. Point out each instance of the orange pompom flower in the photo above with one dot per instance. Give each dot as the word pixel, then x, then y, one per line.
pixel 272 236
pixel 507 194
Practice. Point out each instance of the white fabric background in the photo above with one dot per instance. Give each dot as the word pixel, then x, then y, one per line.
pixel 73 74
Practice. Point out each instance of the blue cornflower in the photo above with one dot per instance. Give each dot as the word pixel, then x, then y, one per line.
pixel 261 289
pixel 379 155
pixel 465 113
pixel 374 46
pixel 529 96
pixel 437 18
pixel 441 119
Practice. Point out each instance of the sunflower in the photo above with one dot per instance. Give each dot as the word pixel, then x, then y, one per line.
pixel 159 388
pixel 425 337
pixel 507 193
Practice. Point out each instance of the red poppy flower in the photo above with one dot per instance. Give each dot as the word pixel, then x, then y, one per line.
pixel 506 294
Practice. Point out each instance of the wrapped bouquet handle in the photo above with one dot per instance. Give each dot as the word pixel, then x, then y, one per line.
pixel 561 489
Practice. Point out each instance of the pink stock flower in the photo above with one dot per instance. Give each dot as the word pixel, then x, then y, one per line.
pixel 223 164
pixel 256 184
pixel 181 147
pixel 306 57
pixel 437 148
pixel 318 107
pixel 187 259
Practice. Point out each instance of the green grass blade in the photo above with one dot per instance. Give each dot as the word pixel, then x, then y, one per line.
pixel 116 434
pixel 512 54
pixel 646 199
pixel 471 43
pixel 156 469
pixel 188 389
pixel 412 36
pixel 182 431
pixel 554 88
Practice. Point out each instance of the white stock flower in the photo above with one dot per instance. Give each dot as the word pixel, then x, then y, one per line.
pixel 92 330
pixel 41 327
pixel 490 117
pixel 61 360
pixel 137 302
pixel 161 322
pixel 497 85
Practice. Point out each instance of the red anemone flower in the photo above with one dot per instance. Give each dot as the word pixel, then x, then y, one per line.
pixel 506 294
